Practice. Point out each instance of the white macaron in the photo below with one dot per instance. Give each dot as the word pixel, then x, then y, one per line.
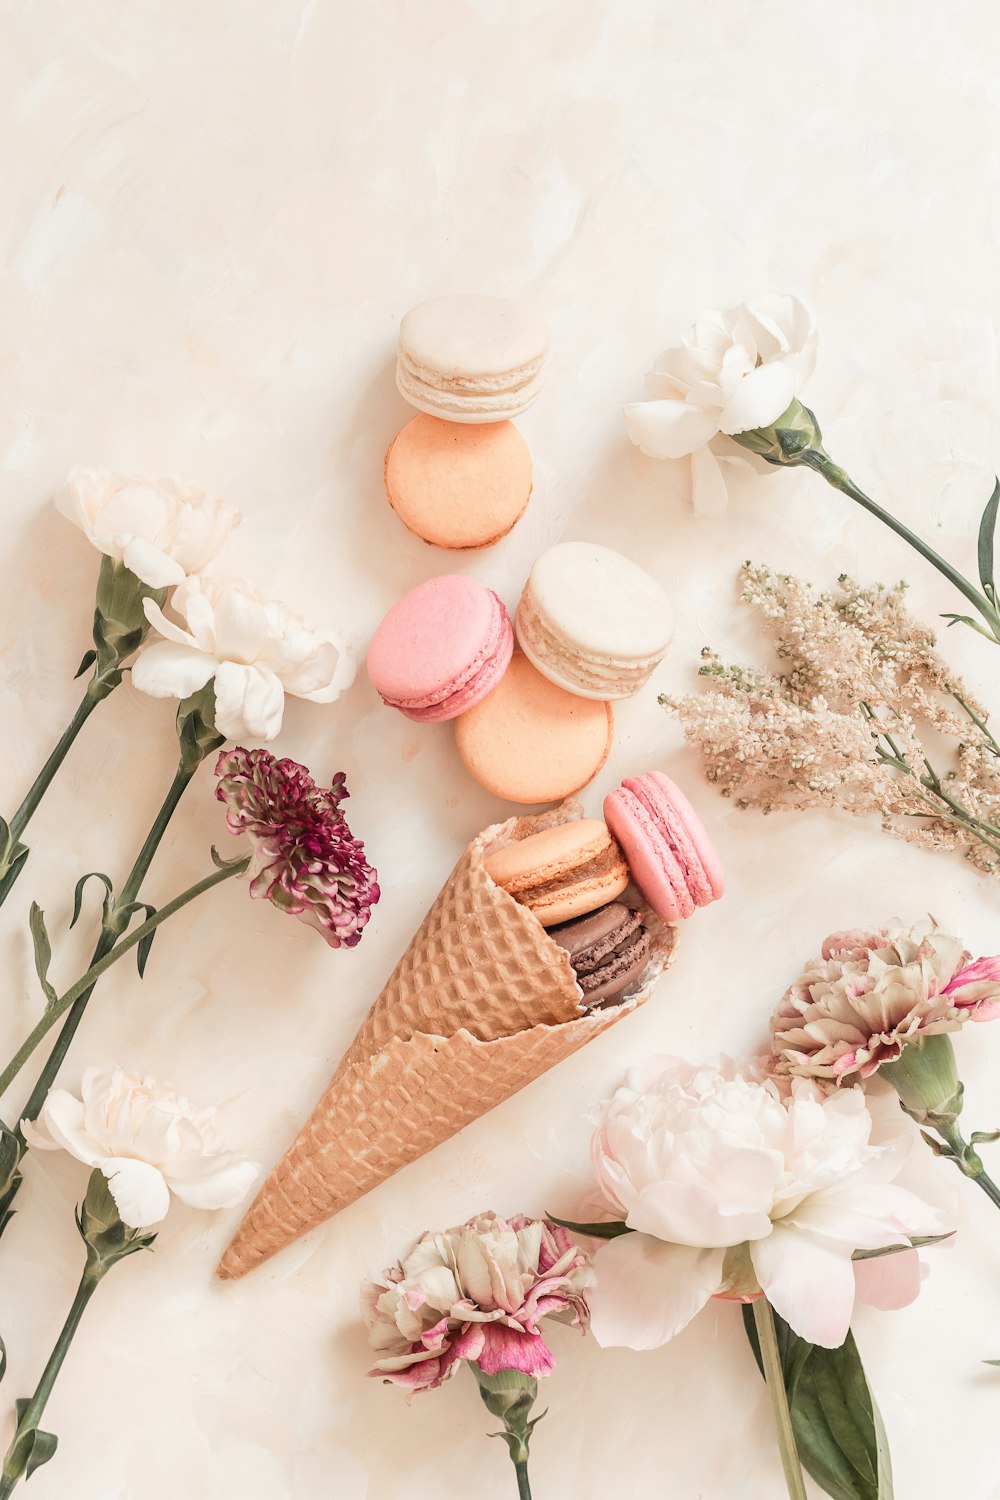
pixel 471 359
pixel 592 621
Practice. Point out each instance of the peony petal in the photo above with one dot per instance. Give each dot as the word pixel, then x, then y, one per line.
pixel 758 400
pixel 227 1179
pixel 669 429
pixel 709 495
pixel 249 702
pixel 165 670
pixel 808 1283
pixel 646 1291
pixel 862 1215
pixel 141 1195
pixel 692 1214
pixel 154 567
pixel 888 1281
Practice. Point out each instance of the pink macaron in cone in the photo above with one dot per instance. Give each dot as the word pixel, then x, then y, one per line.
pixel 670 855
pixel 441 649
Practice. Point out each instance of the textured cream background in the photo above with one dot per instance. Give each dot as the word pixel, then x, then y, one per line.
pixel 213 216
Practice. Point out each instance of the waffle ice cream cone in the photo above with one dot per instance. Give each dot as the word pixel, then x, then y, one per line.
pixel 482 1002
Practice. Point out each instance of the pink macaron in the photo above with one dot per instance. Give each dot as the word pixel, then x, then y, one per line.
pixel 669 853
pixel 441 649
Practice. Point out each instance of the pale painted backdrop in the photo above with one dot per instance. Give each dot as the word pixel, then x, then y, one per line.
pixel 213 216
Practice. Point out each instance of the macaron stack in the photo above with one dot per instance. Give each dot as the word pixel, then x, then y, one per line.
pixel 573 875
pixel 459 474
pixel 533 725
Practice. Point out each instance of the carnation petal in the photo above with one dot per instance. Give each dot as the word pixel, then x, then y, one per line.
pixel 647 1291
pixel 61 1127
pixel 224 1179
pixel 249 702
pixel 140 1192
pixel 505 1348
pixel 152 565
pixel 166 670
pixel 669 429
pixel 759 399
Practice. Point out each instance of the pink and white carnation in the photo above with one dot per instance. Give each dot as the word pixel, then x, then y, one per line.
pixel 478 1292
pixel 871 994
pixel 304 858
pixel 712 1169
pixel 252 649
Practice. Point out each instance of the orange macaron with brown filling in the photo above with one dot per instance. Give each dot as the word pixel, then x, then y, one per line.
pixel 563 872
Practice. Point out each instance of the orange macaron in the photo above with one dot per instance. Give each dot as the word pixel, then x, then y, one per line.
pixel 530 741
pixel 563 872
pixel 458 485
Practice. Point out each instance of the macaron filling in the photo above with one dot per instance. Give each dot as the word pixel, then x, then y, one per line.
pixel 609 951
pixel 561 659
pixel 540 892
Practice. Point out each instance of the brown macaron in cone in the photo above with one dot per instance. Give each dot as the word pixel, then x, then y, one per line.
pixel 482 1002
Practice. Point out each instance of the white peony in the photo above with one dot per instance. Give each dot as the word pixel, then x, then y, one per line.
pixel 701 1160
pixel 737 369
pixel 254 649
pixel 147 1140
pixel 160 529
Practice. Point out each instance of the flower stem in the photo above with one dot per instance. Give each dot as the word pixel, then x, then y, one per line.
pixel 523 1487
pixel 966 1158
pixel 87 981
pixel 819 461
pixel 12 857
pixel 114 925
pixel 775 1380
pixel 17 1459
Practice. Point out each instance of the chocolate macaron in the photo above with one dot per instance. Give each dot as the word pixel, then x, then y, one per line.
pixel 609 951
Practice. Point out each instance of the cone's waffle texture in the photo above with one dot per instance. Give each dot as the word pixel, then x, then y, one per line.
pixel 482 1002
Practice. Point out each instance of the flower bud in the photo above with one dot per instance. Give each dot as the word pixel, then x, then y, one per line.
pixel 925 1076
pixel 786 441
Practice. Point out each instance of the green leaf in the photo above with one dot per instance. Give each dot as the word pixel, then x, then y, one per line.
pixel 991 1361
pixel 89 657
pixel 30 1448
pixel 142 949
pixel 43 951
pixel 78 894
pixel 14 863
pixel 987 528
pixel 917 1242
pixel 596 1231
pixel 838 1428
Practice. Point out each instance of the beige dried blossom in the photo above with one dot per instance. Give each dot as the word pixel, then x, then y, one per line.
pixel 844 723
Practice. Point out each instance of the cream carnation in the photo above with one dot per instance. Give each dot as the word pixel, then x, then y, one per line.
pixel 253 649
pixel 737 369
pixel 702 1160
pixel 162 530
pixel 147 1140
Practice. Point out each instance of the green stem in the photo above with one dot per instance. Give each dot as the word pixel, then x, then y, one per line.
pixel 13 856
pixel 87 981
pixel 13 1465
pixel 822 464
pixel 771 1359
pixel 523 1487
pixel 968 1160
pixel 114 924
